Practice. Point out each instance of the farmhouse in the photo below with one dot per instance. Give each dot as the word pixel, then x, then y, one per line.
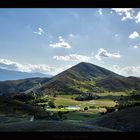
pixel 72 107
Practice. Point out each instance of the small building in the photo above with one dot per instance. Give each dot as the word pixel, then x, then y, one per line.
pixel 72 107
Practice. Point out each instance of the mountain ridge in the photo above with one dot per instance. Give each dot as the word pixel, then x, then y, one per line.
pixel 16 75
pixel 81 78
pixel 90 78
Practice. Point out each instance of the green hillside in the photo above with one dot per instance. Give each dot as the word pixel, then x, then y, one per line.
pixel 88 78
pixel 12 87
pixel 123 120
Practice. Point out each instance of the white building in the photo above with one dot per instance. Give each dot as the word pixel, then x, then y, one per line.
pixel 73 107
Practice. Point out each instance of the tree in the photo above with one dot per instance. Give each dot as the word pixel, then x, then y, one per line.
pixel 51 104
pixel 86 108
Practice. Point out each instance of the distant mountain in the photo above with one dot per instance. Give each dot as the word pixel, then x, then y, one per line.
pixel 81 78
pixel 13 87
pixel 15 75
pixel 88 78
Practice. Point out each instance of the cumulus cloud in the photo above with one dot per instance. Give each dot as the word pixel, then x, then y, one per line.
pixel 126 13
pixel 134 35
pixel 41 68
pixel 127 71
pixel 100 11
pixel 61 44
pixel 40 31
pixel 103 53
pixel 73 57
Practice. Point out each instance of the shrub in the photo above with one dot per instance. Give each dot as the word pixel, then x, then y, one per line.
pixel 92 106
pixel 86 108
pixel 51 104
pixel 103 113
pixel 110 109
pixel 60 106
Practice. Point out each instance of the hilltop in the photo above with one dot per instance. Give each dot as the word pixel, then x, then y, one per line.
pixel 85 78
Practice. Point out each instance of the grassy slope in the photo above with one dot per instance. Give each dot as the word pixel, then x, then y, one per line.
pixel 86 77
pixel 44 125
pixel 124 120
pixel 17 86
pixel 9 106
pixel 67 100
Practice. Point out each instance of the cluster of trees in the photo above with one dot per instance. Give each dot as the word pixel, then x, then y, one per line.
pixel 126 104
pixel 51 103
pixel 23 97
pixel 86 97
pixel 132 92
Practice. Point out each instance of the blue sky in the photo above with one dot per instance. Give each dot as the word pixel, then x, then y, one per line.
pixel 52 40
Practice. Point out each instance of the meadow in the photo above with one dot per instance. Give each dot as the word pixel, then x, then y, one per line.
pixel 95 106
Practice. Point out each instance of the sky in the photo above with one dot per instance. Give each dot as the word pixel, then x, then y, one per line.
pixel 51 40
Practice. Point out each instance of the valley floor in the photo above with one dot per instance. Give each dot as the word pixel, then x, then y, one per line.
pixel 90 120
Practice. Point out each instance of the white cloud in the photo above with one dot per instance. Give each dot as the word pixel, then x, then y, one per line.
pixel 100 11
pixel 127 71
pixel 134 35
pixel 41 68
pixel 136 46
pixel 73 57
pixel 103 53
pixel 61 44
pixel 137 18
pixel 126 13
pixel 73 35
pixel 40 31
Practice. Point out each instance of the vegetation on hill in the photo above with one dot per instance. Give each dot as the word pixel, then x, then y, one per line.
pixel 83 92
pixel 15 107
pixel 88 78
pixel 12 87
pixel 123 120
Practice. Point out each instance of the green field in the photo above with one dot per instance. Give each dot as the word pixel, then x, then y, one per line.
pixel 67 100
pixel 98 106
pixel 71 120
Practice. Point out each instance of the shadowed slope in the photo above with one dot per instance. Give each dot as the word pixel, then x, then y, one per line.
pixel 89 78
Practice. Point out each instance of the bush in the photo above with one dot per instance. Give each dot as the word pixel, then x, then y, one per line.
pixel 60 106
pixel 110 109
pixel 86 108
pixel 51 104
pixel 103 113
pixel 92 106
